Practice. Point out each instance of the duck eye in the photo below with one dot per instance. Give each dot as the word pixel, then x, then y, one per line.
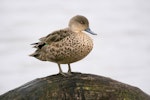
pixel 81 22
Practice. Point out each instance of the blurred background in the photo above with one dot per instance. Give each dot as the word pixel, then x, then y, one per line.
pixel 121 48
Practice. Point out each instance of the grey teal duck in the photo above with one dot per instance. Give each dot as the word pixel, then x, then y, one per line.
pixel 67 45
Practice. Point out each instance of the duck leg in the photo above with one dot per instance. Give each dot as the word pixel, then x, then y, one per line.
pixel 60 70
pixel 69 69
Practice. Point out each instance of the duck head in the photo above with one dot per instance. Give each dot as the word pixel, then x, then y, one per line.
pixel 80 23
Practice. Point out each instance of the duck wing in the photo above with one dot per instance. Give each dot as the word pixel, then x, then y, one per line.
pixel 50 38
pixel 55 36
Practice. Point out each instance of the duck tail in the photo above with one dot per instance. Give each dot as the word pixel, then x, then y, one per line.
pixel 38 45
pixel 35 54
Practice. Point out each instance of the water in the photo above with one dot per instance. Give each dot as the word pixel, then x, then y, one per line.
pixel 121 48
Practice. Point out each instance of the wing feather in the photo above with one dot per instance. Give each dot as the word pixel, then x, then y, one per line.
pixel 50 38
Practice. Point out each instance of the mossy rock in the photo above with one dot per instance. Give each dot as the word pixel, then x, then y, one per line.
pixel 75 87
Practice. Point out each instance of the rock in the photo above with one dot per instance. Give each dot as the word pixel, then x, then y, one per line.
pixel 75 87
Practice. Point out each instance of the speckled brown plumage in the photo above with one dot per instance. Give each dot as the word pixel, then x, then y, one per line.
pixel 67 45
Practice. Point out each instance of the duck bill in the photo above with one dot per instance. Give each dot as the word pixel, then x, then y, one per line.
pixel 89 31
